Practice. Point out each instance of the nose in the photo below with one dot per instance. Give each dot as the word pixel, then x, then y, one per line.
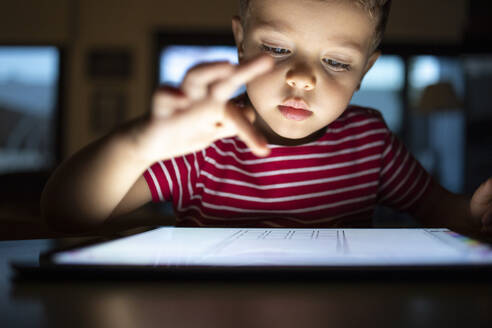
pixel 301 78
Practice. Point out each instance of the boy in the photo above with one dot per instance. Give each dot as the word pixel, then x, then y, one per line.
pixel 289 154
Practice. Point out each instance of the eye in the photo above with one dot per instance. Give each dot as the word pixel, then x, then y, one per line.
pixel 275 51
pixel 337 66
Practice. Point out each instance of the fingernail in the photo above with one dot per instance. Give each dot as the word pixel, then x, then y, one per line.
pixel 269 60
pixel 265 60
pixel 263 151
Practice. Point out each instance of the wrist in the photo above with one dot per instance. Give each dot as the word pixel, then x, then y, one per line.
pixel 130 139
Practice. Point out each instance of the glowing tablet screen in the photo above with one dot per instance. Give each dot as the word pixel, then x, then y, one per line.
pixel 176 247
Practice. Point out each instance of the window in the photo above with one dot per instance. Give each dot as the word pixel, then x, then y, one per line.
pixel 382 89
pixel 437 117
pixel 29 78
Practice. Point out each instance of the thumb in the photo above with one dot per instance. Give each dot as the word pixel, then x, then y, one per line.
pixel 482 198
pixel 249 113
pixel 243 103
pixel 240 122
pixel 483 194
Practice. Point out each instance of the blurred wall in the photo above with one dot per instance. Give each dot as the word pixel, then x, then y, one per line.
pixel 83 25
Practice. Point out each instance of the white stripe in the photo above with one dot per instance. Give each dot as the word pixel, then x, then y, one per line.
pixel 156 184
pixel 299 210
pixel 390 146
pixel 233 143
pixel 295 157
pixel 352 113
pixel 197 169
pixel 271 146
pixel 168 177
pixel 178 178
pixel 397 172
pixel 390 164
pixel 291 171
pixel 402 182
pixel 396 201
pixel 354 124
pixel 188 167
pixel 288 184
pixel 302 221
pixel 285 198
pixel 349 138
pixel 348 126
pixel 418 195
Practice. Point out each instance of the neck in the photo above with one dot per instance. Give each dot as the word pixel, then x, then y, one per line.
pixel 275 139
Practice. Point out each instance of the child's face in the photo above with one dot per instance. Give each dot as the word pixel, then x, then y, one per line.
pixel 322 49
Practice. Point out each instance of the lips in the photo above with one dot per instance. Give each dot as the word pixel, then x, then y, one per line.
pixel 295 109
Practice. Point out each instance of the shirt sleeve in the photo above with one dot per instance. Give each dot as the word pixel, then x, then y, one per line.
pixel 173 179
pixel 159 181
pixel 403 180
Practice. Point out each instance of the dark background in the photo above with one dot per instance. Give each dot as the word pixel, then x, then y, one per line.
pixel 108 49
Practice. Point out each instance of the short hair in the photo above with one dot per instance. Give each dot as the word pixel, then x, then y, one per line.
pixel 377 9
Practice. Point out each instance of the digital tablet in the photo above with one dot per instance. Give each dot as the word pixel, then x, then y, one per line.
pixel 184 249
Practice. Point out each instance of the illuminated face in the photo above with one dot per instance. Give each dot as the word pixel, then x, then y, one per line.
pixel 322 50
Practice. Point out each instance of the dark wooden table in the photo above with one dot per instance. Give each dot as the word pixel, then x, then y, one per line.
pixel 339 302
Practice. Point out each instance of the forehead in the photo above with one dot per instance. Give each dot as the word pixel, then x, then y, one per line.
pixel 338 20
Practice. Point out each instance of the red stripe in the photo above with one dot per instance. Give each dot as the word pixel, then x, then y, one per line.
pixel 152 186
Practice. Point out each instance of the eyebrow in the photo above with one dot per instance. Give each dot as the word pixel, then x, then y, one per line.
pixel 280 27
pixel 345 43
pixel 274 25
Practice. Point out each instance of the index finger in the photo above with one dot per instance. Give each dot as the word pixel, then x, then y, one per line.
pixel 197 78
pixel 243 74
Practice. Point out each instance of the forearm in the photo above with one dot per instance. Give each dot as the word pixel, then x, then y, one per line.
pixel 442 208
pixel 85 189
pixel 454 213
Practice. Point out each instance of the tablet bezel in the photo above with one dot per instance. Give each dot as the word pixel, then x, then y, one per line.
pixel 46 262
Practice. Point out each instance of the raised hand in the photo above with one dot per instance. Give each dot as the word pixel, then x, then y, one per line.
pixel 200 112
pixel 481 205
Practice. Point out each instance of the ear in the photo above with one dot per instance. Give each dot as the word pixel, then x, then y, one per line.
pixel 374 57
pixel 238 31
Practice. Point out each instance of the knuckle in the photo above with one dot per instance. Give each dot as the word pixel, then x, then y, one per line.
pixel 194 69
pixel 488 183
pixel 162 97
pixel 197 69
pixel 186 83
pixel 157 99
pixel 190 76
pixel 216 90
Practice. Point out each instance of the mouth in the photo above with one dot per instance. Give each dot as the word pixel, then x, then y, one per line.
pixel 295 109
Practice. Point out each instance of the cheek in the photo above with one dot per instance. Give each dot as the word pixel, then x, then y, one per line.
pixel 337 91
pixel 266 88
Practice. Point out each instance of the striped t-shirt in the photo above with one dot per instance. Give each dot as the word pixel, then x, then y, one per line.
pixel 335 181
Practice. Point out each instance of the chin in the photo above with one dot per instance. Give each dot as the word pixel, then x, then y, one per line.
pixel 294 134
